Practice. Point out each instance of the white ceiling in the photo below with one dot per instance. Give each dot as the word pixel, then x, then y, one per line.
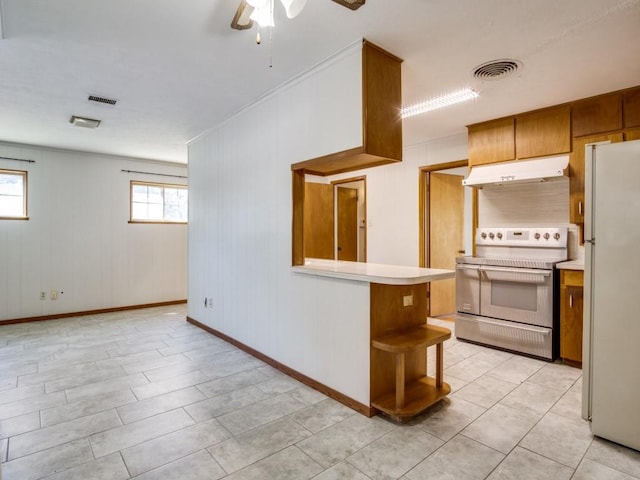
pixel 177 68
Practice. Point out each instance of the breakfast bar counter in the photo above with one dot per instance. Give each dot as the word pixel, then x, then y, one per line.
pixel 397 333
pixel 372 272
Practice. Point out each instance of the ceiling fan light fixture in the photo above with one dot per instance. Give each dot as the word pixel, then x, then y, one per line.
pixel 258 3
pixel 242 18
pixel 439 102
pixel 263 16
pixel 351 4
pixel 293 7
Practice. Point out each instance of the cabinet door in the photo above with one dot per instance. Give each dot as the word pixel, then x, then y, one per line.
pixel 544 132
pixel 571 323
pixel 596 115
pixel 491 142
pixel 632 134
pixel 576 172
pixel 631 108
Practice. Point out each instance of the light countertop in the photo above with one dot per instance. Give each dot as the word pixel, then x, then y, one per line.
pixel 571 265
pixel 372 272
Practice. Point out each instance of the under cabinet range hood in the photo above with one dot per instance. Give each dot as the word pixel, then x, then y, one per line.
pixel 518 171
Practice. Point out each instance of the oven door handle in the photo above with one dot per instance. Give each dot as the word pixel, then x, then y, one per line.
pixel 520 275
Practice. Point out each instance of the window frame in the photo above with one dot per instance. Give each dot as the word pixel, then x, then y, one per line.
pixel 25 204
pixel 133 183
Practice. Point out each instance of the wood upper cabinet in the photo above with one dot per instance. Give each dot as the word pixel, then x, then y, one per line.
pixel 571 308
pixel 597 115
pixel 492 141
pixel 543 132
pixel 381 121
pixel 534 134
pixel 631 108
pixel 632 134
pixel 577 172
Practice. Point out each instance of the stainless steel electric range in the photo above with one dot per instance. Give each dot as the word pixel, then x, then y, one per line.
pixel 505 295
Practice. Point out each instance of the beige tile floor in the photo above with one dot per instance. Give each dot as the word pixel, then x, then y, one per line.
pixel 143 394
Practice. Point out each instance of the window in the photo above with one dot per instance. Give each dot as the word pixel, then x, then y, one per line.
pixel 158 203
pixel 13 194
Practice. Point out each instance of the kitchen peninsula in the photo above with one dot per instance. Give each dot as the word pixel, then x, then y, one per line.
pixel 397 333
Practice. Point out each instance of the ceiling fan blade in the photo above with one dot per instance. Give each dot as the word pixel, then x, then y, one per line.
pixel 241 20
pixel 351 4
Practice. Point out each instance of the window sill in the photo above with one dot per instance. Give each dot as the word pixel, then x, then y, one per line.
pixel 156 222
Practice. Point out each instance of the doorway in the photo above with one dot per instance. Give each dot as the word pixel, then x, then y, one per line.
pixel 447 217
pixel 350 219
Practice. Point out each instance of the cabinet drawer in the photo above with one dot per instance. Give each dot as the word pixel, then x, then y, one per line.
pixel 572 277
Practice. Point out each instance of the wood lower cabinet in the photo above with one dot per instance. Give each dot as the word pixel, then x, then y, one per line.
pixel 571 308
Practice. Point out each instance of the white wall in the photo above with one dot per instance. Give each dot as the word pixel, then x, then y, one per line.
pixel 392 200
pixel 78 239
pixel 240 226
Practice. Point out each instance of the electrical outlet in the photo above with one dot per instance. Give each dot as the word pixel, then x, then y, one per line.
pixel 54 294
pixel 210 302
pixel 407 300
pixel 43 295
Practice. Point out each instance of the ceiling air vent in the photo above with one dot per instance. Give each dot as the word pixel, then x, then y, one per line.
pixel 496 69
pixel 97 99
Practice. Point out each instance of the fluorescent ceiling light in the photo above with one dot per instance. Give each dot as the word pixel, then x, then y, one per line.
pixel 439 102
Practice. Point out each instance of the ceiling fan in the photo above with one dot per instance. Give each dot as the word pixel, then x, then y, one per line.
pixel 261 11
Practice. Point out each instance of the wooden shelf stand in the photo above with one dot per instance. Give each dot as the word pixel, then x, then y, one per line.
pixel 410 398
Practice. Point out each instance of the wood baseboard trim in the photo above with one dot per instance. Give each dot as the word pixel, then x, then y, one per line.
pixel 90 312
pixel 310 382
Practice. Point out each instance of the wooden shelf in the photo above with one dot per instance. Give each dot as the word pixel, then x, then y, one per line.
pixel 419 395
pixel 412 339
pixel 412 394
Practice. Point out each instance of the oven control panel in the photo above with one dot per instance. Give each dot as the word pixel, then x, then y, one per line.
pixel 548 237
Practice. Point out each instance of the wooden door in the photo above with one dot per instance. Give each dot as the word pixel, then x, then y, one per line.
pixel 446 223
pixel 347 224
pixel 318 220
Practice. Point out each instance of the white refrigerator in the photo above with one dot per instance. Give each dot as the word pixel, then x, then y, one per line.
pixel 611 347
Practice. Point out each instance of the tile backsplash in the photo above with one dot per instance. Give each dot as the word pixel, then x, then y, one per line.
pixel 530 204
